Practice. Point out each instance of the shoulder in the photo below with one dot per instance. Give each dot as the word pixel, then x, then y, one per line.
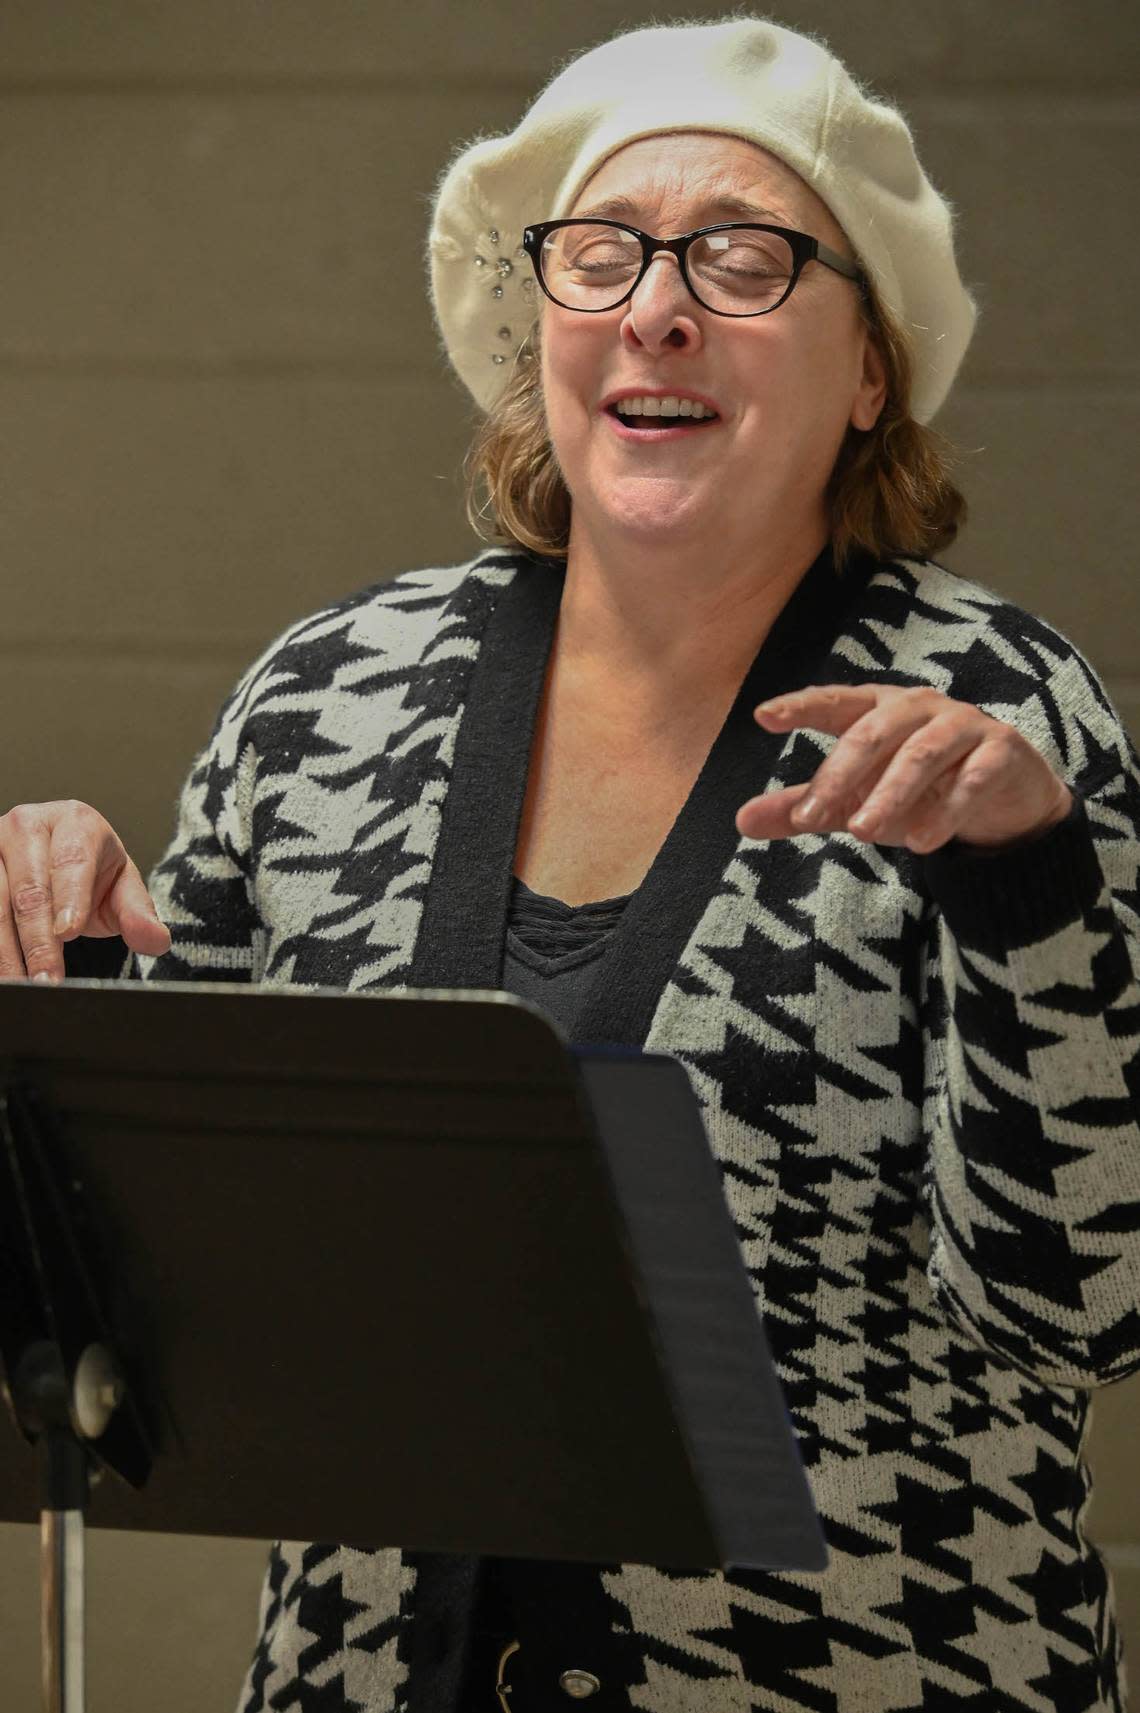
pixel 394 627
pixel 918 622
pixel 935 612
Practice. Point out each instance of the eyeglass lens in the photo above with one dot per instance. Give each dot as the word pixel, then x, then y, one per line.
pixel 737 271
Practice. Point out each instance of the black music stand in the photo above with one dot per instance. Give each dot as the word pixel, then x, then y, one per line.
pixel 388 1270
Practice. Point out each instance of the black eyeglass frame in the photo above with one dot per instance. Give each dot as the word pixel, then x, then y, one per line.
pixel 804 249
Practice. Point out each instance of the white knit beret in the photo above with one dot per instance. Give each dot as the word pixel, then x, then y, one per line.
pixel 746 78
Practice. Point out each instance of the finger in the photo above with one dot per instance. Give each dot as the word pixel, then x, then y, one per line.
pixel 933 827
pixel 821 708
pixel 939 815
pixel 769 816
pixel 856 765
pixel 130 907
pixel 80 845
pixel 773 816
pixel 919 774
pixel 972 807
pixel 96 888
pixel 29 894
pixel 12 966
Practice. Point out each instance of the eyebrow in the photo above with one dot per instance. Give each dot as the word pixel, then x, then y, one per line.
pixel 734 207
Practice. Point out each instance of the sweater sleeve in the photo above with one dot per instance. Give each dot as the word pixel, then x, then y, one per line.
pixel 1033 1085
pixel 202 887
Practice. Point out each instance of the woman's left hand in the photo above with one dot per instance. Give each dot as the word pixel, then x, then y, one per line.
pixel 912 767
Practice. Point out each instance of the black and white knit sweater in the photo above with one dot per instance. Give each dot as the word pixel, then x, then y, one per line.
pixel 920 1077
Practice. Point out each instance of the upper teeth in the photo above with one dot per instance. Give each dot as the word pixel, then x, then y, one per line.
pixel 662 407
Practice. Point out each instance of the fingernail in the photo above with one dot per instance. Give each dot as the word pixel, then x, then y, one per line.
pixel 777 710
pixel 809 813
pixel 45 976
pixel 66 919
pixel 861 819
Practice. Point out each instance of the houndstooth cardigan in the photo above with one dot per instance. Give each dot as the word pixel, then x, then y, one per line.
pixel 920 1078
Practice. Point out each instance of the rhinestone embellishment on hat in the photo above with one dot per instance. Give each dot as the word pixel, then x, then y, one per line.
pixel 504 269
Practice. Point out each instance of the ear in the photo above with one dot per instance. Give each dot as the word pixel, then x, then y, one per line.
pixel 871 395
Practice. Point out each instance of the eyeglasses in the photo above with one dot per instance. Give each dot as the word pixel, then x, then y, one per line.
pixel 748 269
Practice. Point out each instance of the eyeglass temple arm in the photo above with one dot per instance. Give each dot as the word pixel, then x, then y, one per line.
pixel 832 259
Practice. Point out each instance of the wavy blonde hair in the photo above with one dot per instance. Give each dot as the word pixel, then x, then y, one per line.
pixel 890 493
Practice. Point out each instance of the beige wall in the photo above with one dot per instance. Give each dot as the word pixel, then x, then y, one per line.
pixel 222 405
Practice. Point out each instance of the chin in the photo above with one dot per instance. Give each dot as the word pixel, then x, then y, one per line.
pixel 656 506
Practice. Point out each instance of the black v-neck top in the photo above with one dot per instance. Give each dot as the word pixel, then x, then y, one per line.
pixel 553 950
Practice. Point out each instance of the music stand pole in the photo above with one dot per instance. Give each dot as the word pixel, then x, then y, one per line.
pixel 61 1380
pixel 62 1573
pixel 60 1412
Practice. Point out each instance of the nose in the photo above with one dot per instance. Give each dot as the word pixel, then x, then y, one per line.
pixel 659 314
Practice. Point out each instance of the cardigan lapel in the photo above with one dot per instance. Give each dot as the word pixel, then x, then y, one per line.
pixel 463 929
pixel 663 913
pixel 463 926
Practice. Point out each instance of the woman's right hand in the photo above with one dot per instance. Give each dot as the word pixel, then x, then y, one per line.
pixel 64 873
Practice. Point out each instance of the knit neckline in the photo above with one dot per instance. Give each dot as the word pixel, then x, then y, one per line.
pixel 463 929
pixel 558 906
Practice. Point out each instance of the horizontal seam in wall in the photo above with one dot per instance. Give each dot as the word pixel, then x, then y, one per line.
pixel 108 649
pixel 947 92
pixel 248 367
pixel 1117 381
pixel 259 88
pixel 237 649
pixel 367 367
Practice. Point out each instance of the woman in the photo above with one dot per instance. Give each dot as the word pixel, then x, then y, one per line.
pixel 711 757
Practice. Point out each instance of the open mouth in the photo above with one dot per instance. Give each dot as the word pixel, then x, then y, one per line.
pixel 654 414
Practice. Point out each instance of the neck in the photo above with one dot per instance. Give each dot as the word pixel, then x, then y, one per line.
pixel 668 618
